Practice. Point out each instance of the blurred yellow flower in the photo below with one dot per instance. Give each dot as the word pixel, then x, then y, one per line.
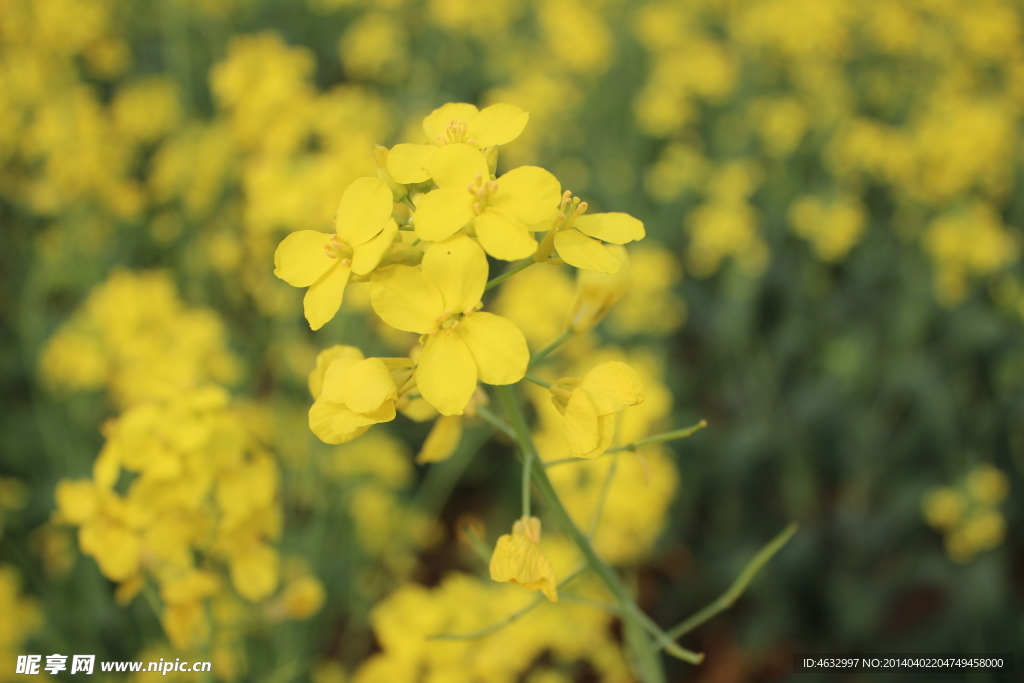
pixel 987 485
pixel 441 302
pixel 518 559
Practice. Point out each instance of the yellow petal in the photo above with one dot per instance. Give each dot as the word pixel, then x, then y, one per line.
pixel 605 434
pixel 437 121
pixel 459 269
pixel 442 441
pixel 321 415
pixel 368 385
pixel 446 374
pixel 580 426
pixel 497 124
pixel 363 210
pixel 254 572
pixel 323 298
pixel 77 500
pixel 519 560
pixel 347 422
pixel 456 166
pixel 324 360
pixel 442 213
pixel 333 382
pixel 503 237
pixel 528 193
pixel 498 347
pixel 613 386
pixel 366 256
pixel 300 259
pixel 617 228
pixel 578 250
pixel 404 298
pixel 409 164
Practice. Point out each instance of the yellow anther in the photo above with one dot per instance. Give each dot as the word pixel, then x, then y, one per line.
pixel 478 208
pixel 580 210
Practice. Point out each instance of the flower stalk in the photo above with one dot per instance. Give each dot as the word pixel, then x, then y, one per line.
pixel 647 661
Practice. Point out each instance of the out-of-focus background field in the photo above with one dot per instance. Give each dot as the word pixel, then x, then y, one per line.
pixel 834 199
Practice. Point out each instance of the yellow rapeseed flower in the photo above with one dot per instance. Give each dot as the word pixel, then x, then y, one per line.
pixel 501 213
pixel 440 301
pixel 589 405
pixel 518 559
pixel 353 393
pixel 364 230
pixel 455 122
pixel 579 238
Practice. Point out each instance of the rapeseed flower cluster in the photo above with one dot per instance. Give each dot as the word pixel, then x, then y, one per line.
pixel 917 102
pixel 199 517
pixel 968 515
pixel 573 634
pixel 420 233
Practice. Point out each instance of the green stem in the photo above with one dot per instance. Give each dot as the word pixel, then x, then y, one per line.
pixel 602 498
pixel 537 380
pixel 527 467
pixel 543 353
pixel 522 265
pixel 726 599
pixel 659 438
pixel 497 626
pixel 647 658
pixel 485 413
pixel 674 435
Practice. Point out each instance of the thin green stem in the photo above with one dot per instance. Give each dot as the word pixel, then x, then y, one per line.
pixel 477 544
pixel 659 438
pixel 647 659
pixel 596 604
pixel 408 202
pixel 497 626
pixel 488 416
pixel 543 353
pixel 522 265
pixel 528 458
pixel 602 497
pixel 674 435
pixel 537 380
pixel 726 599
